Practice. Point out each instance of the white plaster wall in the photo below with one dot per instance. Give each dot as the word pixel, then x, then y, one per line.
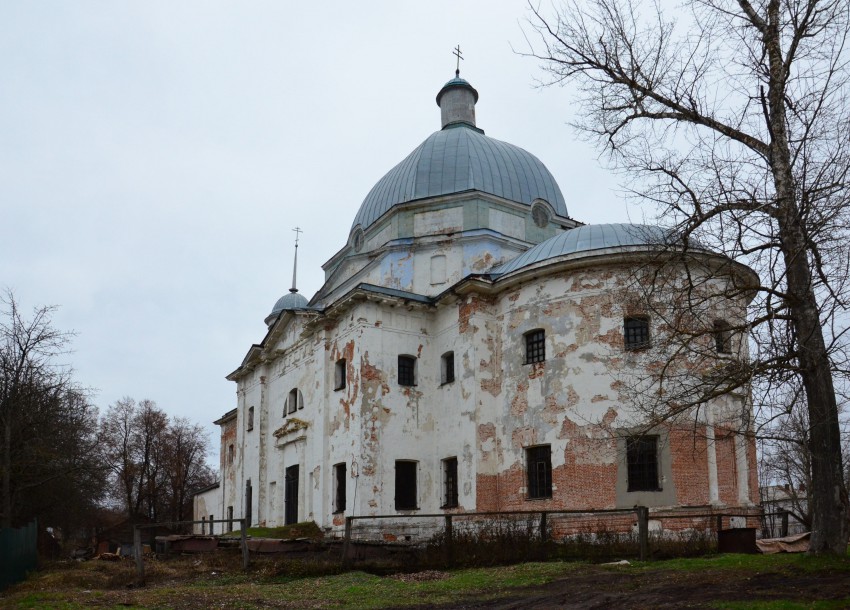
pixel 496 406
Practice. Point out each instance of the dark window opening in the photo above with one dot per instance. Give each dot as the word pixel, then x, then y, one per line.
pixel 450 483
pixel 339 495
pixel 539 471
pixel 405 485
pixel 722 337
pixel 294 401
pixel 250 418
pixel 447 368
pixel 406 370
pixel 535 346
pixel 636 333
pixel 642 459
pixel 339 374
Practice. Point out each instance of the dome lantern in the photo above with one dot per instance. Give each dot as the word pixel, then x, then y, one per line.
pixel 457 101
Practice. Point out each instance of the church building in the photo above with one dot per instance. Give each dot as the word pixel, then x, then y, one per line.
pixel 472 349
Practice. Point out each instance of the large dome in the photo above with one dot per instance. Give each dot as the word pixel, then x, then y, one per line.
pixel 461 158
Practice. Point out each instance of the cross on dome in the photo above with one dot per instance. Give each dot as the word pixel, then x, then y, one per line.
pixel 457 53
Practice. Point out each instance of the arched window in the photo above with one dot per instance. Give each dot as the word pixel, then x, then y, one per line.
pixel 447 368
pixel 294 401
pixel 250 424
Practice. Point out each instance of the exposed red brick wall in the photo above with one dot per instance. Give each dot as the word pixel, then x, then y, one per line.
pixel 727 470
pixel 690 466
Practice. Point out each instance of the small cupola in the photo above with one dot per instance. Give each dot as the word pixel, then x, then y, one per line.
pixel 457 101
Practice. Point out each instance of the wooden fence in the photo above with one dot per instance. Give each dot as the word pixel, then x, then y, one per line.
pixel 137 540
pixel 557 525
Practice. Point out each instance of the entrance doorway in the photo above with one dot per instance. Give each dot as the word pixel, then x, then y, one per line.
pixel 290 513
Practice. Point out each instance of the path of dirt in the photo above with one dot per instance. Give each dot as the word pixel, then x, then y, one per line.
pixel 601 588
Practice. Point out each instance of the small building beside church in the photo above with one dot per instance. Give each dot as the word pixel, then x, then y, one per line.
pixel 471 349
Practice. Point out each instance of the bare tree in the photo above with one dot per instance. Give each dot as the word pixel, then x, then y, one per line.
pixel 186 468
pixel 155 462
pixel 48 465
pixel 733 120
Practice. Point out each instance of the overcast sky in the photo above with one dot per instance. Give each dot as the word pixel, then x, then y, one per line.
pixel 155 157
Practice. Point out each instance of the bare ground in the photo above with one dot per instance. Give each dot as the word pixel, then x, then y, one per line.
pixel 599 588
pixel 180 585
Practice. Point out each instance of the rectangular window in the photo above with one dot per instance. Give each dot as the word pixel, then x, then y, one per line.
pixel 405 485
pixel 722 342
pixel 535 346
pixel 339 374
pixel 642 459
pixel 230 454
pixel 250 418
pixel 339 491
pixel 447 368
pixel 406 370
pixel 636 332
pixel 539 471
pixel 450 482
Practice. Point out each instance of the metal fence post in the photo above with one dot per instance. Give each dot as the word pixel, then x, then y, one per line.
pixel 346 541
pixel 243 543
pixel 137 551
pixel 643 531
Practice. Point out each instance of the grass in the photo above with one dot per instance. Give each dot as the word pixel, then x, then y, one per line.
pixel 216 581
pixel 306 529
pixel 755 563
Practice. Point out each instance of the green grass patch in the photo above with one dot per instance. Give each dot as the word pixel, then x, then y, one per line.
pixel 306 529
pixel 754 563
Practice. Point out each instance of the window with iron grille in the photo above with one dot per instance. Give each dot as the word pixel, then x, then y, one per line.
pixel 339 374
pixel 405 485
pixel 539 461
pixel 339 491
pixel 406 370
pixel 636 332
pixel 642 460
pixel 535 346
pixel 447 368
pixel 722 337
pixel 450 482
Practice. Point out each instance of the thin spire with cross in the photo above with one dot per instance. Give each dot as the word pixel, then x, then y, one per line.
pixel 298 232
pixel 456 52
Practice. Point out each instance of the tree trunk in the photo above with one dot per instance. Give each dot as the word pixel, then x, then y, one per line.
pixel 830 508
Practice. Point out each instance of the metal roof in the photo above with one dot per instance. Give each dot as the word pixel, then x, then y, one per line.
pixel 457 159
pixel 588 238
pixel 291 300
